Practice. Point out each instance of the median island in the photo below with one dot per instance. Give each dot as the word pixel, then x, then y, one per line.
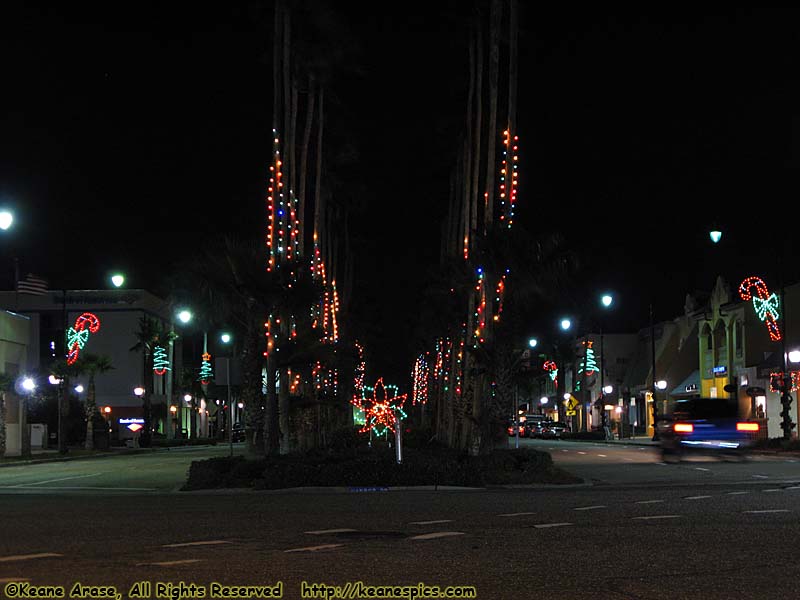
pixel 377 467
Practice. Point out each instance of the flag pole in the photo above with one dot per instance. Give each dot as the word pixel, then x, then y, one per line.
pixel 16 284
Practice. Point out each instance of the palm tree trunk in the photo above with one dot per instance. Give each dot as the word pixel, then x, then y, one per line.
pixel 91 405
pixel 494 60
pixel 301 215
pixel 476 162
pixel 2 424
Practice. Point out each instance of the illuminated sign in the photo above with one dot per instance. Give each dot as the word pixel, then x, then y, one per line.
pixel 129 421
pixel 720 370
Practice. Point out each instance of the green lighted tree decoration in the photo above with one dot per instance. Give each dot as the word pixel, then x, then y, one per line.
pixel 206 372
pixel 160 360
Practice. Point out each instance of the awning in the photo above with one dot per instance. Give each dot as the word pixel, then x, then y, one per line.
pixel 689 386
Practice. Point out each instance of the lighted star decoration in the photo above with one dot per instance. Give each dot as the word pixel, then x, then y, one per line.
pixel 764 303
pixel 381 410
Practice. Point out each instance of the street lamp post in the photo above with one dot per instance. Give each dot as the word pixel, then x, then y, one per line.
pixel 653 373
pixel 226 339
pixel 28 387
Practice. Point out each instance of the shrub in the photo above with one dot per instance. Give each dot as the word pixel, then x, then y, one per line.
pixel 378 467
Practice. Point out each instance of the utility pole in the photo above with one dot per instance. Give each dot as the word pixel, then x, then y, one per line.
pixel 653 372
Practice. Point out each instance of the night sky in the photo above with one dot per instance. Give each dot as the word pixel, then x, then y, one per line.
pixel 132 132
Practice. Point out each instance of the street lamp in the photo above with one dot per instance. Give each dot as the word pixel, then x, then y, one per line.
pixel 6 219
pixel 226 338
pixel 184 315
pixel 28 386
pixel 117 280
pixel 606 300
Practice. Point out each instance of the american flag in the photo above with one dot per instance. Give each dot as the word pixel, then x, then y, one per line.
pixel 32 284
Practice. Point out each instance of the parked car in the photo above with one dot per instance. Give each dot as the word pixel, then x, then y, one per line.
pixel 237 432
pixel 553 429
pixel 709 426
pixel 512 429
pixel 535 428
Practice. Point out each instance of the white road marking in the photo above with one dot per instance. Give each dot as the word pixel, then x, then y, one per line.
pixel 603 455
pixel 663 464
pixel 696 497
pixel 701 469
pixel 579 452
pixel 630 459
pixel 170 563
pixel 315 548
pixel 63 488
pixel 738 493
pixel 761 476
pixel 516 514
pixel 438 534
pixel 564 450
pixel 205 543
pixel 771 510
pixel 649 501
pixel 773 490
pixel 657 517
pixel 55 480
pixel 324 531
pixel 430 522
pixel 793 487
pixel 590 507
pixel 29 556
pixel 545 525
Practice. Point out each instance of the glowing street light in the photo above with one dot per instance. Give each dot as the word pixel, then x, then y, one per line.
pixel 715 235
pixel 566 324
pixel 533 342
pixel 184 315
pixel 6 219
pixel 117 279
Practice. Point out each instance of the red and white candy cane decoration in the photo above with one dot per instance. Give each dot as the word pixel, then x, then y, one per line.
pixel 764 303
pixel 78 335
pixel 551 366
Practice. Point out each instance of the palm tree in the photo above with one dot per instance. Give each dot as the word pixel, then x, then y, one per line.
pixel 92 365
pixel 6 384
pixel 150 333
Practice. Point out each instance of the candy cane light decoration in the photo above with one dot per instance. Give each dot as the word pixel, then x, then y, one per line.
pixel 78 335
pixel 764 303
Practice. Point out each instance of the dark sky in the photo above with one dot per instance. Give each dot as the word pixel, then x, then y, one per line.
pixel 136 131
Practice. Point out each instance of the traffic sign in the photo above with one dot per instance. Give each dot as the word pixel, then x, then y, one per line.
pixel 572 403
pixel 571 413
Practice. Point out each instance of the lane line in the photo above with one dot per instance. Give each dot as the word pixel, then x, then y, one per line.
pixel 29 556
pixel 771 510
pixel 170 563
pixel 438 534
pixel 324 531
pixel 85 487
pixel 516 514
pixel 430 522
pixel 658 517
pixel 773 490
pixel 546 525
pixel 738 493
pixel 55 480
pixel 590 507
pixel 793 487
pixel 205 543
pixel 579 452
pixel 701 469
pixel 761 476
pixel 649 501
pixel 315 548
pixel 603 455
pixel 696 497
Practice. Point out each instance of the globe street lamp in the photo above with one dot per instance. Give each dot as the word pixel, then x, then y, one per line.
pixel 226 338
pixel 606 300
pixel 6 219
pixel 117 280
pixel 28 386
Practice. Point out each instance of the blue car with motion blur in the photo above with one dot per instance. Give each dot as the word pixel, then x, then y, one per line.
pixel 706 426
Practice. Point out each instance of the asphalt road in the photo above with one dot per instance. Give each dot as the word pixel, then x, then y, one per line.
pixel 641 530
